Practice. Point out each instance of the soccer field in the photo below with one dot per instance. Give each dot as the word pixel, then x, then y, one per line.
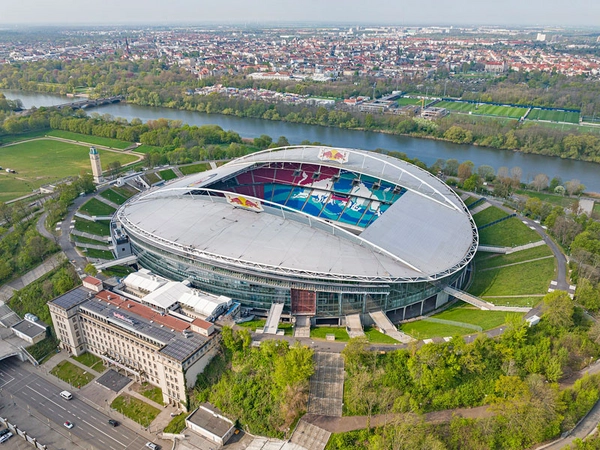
pixel 403 101
pixel 554 116
pixel 483 109
pixel 44 161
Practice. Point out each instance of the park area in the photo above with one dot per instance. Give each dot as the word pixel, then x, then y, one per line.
pixel 44 161
pixel 513 112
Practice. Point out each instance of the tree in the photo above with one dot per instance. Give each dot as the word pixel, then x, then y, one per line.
pixel 540 181
pixel 574 187
pixel 90 269
pixel 554 182
pixel 558 309
pixel 451 167
pixel 515 174
pixel 486 172
pixel 473 183
pixel 465 170
pixel 587 295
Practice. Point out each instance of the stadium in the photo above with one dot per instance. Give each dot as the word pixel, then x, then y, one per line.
pixel 326 232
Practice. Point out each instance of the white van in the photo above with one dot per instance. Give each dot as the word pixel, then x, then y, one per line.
pixel 66 395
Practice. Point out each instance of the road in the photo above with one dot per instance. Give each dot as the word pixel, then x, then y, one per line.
pixel 28 391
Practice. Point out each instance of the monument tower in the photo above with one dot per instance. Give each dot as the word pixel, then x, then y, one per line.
pixel 96 166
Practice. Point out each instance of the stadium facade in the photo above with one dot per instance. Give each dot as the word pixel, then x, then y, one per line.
pixel 329 232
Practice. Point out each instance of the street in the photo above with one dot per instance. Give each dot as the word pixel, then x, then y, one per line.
pixel 23 393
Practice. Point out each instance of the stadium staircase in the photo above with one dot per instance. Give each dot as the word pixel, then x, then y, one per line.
pixel 302 327
pixel 481 304
pixel 386 326
pixel 491 249
pixel 354 326
pixel 273 318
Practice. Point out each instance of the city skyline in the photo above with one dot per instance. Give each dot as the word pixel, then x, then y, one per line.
pixel 579 13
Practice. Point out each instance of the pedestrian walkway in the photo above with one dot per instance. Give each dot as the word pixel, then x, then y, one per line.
pixel 107 202
pixel 479 208
pixel 302 327
pixel 327 385
pixel 525 247
pixel 273 318
pixel 90 236
pixel 481 304
pixel 517 263
pixel 354 326
pixel 386 326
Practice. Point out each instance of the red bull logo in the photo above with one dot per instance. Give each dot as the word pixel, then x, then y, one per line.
pixel 243 202
pixel 331 154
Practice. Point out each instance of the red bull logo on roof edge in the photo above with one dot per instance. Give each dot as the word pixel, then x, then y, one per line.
pixel 331 154
pixel 243 202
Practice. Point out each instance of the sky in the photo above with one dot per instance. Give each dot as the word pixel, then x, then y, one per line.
pixel 571 13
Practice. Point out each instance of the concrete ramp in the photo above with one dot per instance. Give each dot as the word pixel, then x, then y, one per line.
pixel 491 249
pixel 302 327
pixel 354 326
pixel 386 326
pixel 117 262
pixel 308 436
pixel 273 318
pixel 480 208
pixel 525 247
pixel 481 304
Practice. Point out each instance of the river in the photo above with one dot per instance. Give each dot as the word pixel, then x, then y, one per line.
pixel 426 150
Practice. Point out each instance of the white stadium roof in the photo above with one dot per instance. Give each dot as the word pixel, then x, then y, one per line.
pixel 425 235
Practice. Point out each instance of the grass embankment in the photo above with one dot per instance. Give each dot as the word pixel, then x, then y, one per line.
pixel 135 409
pixel 154 393
pixel 377 337
pixel 559 200
pixel 97 254
pixel 167 174
pixel 90 360
pixel 488 215
pixel 260 323
pixel 118 271
pixel 94 207
pixel 72 374
pixel 490 260
pixel 321 333
pixel 43 350
pixel 508 233
pixel 113 196
pixel 85 240
pixel 45 161
pixel 99 228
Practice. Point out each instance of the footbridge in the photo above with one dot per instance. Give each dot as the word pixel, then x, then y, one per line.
pixel 90 103
pixel 481 304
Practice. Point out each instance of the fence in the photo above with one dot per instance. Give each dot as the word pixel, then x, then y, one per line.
pixel 17 432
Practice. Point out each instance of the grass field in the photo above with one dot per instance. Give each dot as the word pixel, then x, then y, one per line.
pixel 125 191
pixel 154 393
pixel 113 196
pixel 167 174
pixel 483 109
pixel 85 240
pixel 118 271
pixel 490 260
pixel 403 101
pixel 488 215
pixel 90 360
pixel 95 207
pixel 565 202
pixel 97 254
pixel 523 279
pixel 596 208
pixel 44 161
pixel 72 374
pixel 10 138
pixel 99 228
pixel 94 140
pixel 469 200
pixel 553 116
pixel 515 301
pixel 576 128
pixel 260 323
pixel 152 178
pixel 509 233
pixel 462 312
pixel 135 409
pixel 148 148
pixel 321 333
pixel 194 168
pixel 426 330
pixel 377 337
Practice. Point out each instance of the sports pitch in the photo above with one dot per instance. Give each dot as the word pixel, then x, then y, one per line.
pixel 554 116
pixel 44 161
pixel 483 109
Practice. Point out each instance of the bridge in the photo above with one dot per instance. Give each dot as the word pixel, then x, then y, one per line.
pixel 89 103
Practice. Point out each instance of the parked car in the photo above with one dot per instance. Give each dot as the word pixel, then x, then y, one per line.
pixel 5 437
pixel 112 422
pixel 152 446
pixel 68 425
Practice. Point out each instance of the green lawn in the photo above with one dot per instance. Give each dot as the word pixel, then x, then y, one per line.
pixel 488 215
pixel 72 374
pixel 260 323
pixel 596 208
pixel 321 333
pixel 154 393
pixel 462 312
pixel 97 254
pixel 148 148
pixel 152 178
pixel 576 128
pixel 99 228
pixel 426 330
pixel 508 233
pixel 483 109
pixel 194 168
pixel 489 260
pixel 515 301
pixel 85 240
pixel 469 200
pixel 377 337
pixel 9 138
pixel 45 161
pixel 403 101
pixel 90 360
pixel 95 207
pixel 113 196
pixel 125 191
pixel 522 279
pixel 176 425
pixel 118 271
pixel 554 116
pixel 93 140
pixel 565 202
pixel 137 410
pixel 167 174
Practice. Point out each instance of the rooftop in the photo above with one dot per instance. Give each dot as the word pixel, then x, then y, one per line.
pixel 207 417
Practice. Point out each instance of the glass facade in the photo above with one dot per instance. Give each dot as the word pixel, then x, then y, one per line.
pixel 333 299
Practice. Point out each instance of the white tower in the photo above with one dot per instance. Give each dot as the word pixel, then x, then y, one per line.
pixel 96 166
